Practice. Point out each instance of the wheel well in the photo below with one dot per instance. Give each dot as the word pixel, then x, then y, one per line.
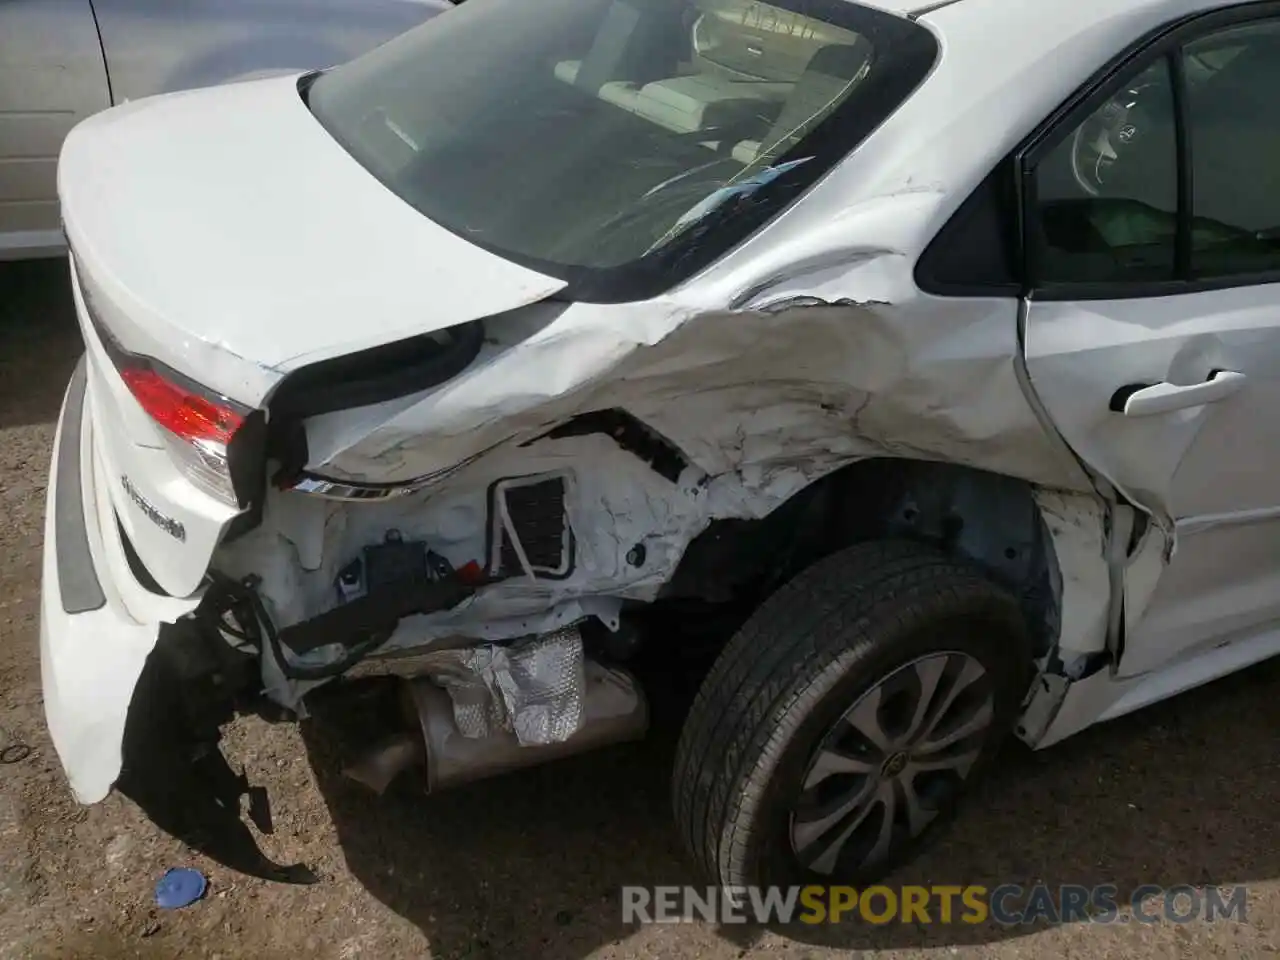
pixel 989 519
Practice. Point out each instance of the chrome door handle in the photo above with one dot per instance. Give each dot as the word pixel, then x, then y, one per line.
pixel 1147 401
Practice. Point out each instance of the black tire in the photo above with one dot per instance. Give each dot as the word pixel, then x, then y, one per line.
pixel 793 670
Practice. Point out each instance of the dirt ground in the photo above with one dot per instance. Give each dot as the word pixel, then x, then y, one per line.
pixel 530 865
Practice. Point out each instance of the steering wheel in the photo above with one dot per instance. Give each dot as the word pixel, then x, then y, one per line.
pixel 1109 132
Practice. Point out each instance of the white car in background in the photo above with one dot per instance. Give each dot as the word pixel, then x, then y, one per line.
pixel 931 350
pixel 62 60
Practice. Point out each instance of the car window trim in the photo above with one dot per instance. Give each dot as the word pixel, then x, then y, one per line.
pixel 1185 171
pixel 1164 42
pixel 1004 176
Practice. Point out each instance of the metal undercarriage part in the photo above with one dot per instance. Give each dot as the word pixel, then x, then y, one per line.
pixel 612 709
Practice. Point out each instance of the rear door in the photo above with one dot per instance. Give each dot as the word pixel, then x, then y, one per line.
pixel 1153 329
pixel 51 77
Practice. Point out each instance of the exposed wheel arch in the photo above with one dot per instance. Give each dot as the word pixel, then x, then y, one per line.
pixel 987 518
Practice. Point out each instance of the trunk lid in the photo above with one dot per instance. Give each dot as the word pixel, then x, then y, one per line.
pixel 241 241
pixel 220 239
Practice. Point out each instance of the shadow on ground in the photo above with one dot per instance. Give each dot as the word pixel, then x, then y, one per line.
pixel 531 864
pixel 526 865
pixel 39 340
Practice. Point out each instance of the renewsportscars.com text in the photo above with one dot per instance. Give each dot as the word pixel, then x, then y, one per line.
pixel 1007 904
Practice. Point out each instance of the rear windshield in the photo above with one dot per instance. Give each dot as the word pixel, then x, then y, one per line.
pixel 619 145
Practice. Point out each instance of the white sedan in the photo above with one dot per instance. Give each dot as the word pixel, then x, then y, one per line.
pixel 928 353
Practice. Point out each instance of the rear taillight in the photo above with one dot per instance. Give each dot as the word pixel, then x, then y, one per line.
pixel 197 425
pixel 183 412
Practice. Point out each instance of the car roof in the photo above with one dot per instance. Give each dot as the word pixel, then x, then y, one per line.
pixel 1080 13
pixel 908 8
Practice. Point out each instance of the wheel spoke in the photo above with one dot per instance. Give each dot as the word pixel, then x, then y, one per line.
pixel 918 816
pixel 969 675
pixel 959 764
pixel 831 762
pixel 865 718
pixel 806 836
pixel 979 721
pixel 928 672
pixel 888 797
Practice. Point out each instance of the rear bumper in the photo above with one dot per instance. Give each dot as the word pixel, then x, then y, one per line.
pixel 92 650
pixel 123 693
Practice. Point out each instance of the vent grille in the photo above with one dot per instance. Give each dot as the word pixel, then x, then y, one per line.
pixel 527 516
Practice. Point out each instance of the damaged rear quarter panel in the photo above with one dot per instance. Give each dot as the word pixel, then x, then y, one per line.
pixel 842 360
pixel 834 358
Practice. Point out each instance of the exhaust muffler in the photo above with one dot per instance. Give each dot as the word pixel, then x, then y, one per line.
pixel 614 710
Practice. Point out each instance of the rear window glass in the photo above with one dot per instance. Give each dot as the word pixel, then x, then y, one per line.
pixel 619 144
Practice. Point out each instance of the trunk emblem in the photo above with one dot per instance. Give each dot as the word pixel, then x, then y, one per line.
pixel 169 525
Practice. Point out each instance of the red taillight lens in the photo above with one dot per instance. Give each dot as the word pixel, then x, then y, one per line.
pixel 182 412
pixel 197 428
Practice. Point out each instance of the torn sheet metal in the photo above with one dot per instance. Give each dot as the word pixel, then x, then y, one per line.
pixel 615 501
pixel 1147 565
pixel 860 364
pixel 1076 524
pixel 841 360
pixel 1083 579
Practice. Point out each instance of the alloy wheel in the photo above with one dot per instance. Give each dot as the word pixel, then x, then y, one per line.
pixel 888 766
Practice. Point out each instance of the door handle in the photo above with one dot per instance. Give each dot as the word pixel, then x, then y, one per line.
pixel 1147 401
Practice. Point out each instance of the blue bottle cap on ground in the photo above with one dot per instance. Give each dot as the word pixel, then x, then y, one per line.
pixel 179 887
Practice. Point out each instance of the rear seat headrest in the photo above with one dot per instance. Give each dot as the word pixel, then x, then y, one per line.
pixel 839 60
